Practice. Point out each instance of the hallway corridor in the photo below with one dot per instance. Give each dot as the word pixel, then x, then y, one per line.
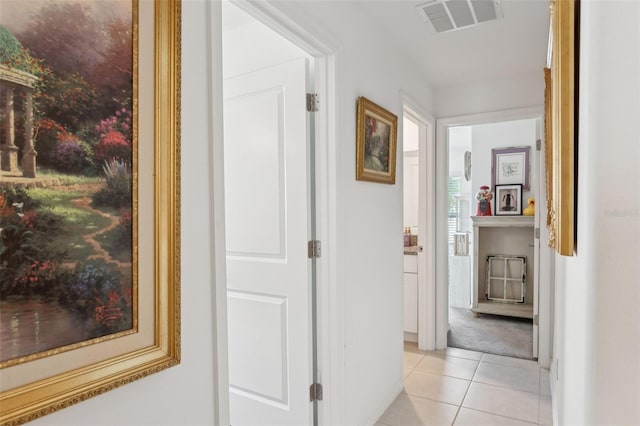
pixel 461 387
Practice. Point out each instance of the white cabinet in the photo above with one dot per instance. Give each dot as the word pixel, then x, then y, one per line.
pixel 410 303
pixel 410 296
pixel 502 236
pixel 410 263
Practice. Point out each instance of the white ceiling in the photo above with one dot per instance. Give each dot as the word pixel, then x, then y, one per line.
pixel 516 44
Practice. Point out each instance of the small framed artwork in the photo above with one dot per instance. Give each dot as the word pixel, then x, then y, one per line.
pixel 376 141
pixel 508 200
pixel 510 166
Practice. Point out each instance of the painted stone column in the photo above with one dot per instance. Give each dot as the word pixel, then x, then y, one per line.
pixel 9 150
pixel 29 153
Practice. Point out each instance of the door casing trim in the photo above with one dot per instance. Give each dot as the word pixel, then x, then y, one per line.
pixel 426 225
pixel 326 55
pixel 441 325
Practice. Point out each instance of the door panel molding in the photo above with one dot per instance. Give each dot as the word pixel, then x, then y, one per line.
pixel 272 374
pixel 257 232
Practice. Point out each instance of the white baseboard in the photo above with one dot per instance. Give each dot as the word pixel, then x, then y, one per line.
pixel 410 337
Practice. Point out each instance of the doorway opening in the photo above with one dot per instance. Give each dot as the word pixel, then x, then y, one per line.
pixel 269 220
pixel 300 331
pixel 491 253
pixel 412 238
pixel 418 135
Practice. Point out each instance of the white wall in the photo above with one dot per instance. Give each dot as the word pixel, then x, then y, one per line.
pixel 459 143
pixel 507 134
pixel 369 215
pixel 523 90
pixel 184 394
pixel 597 342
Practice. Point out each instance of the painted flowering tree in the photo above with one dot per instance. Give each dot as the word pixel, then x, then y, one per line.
pixel 67 249
pixel 91 60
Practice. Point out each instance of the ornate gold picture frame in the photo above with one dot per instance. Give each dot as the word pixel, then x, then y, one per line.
pixel 56 379
pixel 561 115
pixel 376 142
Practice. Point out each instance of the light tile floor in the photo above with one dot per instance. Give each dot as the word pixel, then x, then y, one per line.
pixel 461 387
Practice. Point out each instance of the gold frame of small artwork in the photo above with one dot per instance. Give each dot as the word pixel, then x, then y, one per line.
pixel 157 347
pixel 561 115
pixel 367 110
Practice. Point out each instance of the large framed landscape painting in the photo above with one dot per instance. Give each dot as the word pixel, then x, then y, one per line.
pixel 89 198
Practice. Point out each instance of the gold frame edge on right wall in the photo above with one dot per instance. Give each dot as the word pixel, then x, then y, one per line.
pixel 563 132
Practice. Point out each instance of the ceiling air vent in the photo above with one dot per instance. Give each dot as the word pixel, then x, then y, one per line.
pixel 450 15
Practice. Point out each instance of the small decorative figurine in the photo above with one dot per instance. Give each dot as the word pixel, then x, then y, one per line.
pixel 531 210
pixel 484 197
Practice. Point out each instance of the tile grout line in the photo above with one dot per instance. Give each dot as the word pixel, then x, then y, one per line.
pixel 532 367
pixel 412 369
pixel 537 422
pixel 511 388
pixel 467 392
pixel 430 399
pixel 443 356
pixel 435 373
pixel 512 366
pixel 499 415
pixel 443 375
pixel 453 422
pixel 505 387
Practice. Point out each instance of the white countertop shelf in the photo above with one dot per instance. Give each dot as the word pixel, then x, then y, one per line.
pixel 503 221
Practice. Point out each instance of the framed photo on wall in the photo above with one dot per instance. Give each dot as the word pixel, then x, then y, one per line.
pixel 510 166
pixel 508 200
pixel 376 141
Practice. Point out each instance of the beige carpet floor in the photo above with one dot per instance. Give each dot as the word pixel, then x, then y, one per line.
pixel 493 334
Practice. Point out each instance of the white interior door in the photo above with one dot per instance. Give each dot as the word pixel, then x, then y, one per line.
pixel 267 229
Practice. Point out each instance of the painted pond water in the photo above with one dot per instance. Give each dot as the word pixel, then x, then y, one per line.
pixel 29 326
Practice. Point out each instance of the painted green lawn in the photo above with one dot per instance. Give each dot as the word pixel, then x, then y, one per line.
pixel 77 221
pixel 110 241
pixel 66 179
